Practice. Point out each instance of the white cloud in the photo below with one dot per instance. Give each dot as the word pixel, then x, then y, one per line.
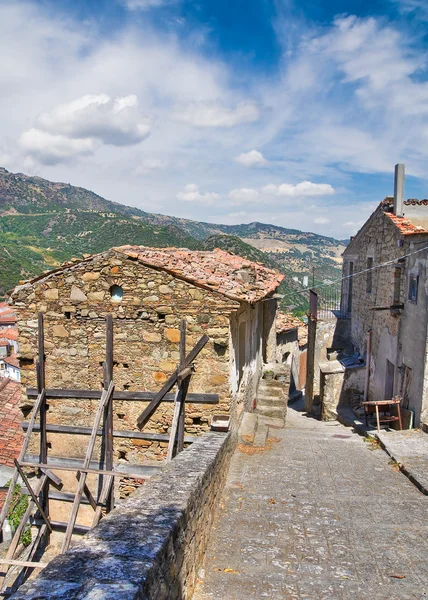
pixel 110 121
pixel 51 149
pixel 244 195
pixel 79 127
pixel 191 193
pixel 321 220
pixel 205 114
pixel 254 158
pixel 303 189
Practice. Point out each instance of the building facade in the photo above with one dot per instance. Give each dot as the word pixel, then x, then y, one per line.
pixel 148 292
pixel 385 290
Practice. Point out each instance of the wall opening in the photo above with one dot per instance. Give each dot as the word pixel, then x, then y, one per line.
pixel 116 293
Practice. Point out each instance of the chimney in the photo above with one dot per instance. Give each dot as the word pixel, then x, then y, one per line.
pixel 399 190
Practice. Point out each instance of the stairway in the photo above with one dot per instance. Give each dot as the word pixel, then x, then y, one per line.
pixel 272 395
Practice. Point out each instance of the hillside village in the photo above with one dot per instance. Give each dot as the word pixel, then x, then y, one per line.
pixel 123 328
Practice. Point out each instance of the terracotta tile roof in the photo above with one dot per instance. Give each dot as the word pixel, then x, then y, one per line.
pixel 405 225
pixel 11 435
pixel 228 274
pixel 11 360
pixel 3 343
pixel 286 322
pixel 9 334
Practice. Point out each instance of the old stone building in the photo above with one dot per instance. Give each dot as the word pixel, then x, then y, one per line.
pixel 388 304
pixel 148 292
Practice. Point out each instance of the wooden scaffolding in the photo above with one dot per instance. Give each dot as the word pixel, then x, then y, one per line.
pixel 38 513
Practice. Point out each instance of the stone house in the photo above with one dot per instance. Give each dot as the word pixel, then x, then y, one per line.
pixel 148 291
pixel 10 367
pixel 388 305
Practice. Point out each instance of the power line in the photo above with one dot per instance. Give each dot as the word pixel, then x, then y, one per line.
pixel 388 262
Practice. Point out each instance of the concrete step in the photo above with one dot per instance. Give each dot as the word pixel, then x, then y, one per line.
pixel 271 401
pixel 271 411
pixel 273 422
pixel 248 427
pixel 261 434
pixel 271 391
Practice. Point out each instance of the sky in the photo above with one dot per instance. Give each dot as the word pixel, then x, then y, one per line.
pixel 291 113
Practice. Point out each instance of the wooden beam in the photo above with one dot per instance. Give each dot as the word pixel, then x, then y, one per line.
pixel 33 495
pixel 87 492
pixel 62 525
pixel 14 479
pixel 23 563
pixel 75 464
pixel 108 413
pixel 41 384
pixel 137 435
pixel 103 499
pixel 105 398
pixel 54 394
pixel 54 478
pixel 21 527
pixel 169 384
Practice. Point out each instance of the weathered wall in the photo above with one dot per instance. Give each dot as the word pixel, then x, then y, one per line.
pixel 146 339
pixel 153 545
pixel 399 336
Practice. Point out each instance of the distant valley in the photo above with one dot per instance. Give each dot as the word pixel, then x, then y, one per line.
pixel 43 224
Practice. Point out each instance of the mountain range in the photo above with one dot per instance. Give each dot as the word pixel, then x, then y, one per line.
pixel 43 223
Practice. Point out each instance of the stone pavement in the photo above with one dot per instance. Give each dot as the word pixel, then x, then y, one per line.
pixel 317 515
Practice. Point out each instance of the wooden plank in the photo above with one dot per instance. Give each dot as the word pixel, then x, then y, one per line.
pixel 24 448
pixel 102 499
pixel 108 411
pixel 59 496
pixel 137 435
pixel 54 478
pixel 181 419
pixel 183 378
pixel 105 398
pixel 57 394
pixel 87 492
pixel 43 506
pixel 23 563
pixel 184 374
pixel 74 464
pixel 169 384
pixel 32 494
pixel 24 573
pixel 62 525
pixel 19 530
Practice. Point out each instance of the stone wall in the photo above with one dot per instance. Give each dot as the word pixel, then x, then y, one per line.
pixel 75 303
pixel 153 545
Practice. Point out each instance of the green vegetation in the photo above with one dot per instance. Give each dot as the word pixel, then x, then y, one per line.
pixel 18 506
pixel 43 224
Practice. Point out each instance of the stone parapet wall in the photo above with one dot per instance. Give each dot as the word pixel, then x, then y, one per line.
pixel 152 546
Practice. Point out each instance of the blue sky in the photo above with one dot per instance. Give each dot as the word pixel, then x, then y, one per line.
pixel 224 111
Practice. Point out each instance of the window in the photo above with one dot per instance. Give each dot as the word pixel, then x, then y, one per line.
pixel 369 280
pixel 116 293
pixel 413 288
pixel 350 282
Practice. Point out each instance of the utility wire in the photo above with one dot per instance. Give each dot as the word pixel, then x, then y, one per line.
pixel 388 262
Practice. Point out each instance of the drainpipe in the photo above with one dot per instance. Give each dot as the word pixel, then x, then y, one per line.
pixel 368 359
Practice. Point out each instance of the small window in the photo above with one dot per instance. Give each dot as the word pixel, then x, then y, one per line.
pixel 116 293
pixel 369 279
pixel 413 288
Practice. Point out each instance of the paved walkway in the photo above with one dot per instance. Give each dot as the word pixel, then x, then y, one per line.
pixel 317 515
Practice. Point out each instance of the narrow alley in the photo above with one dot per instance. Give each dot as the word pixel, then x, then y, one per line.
pixel 318 514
